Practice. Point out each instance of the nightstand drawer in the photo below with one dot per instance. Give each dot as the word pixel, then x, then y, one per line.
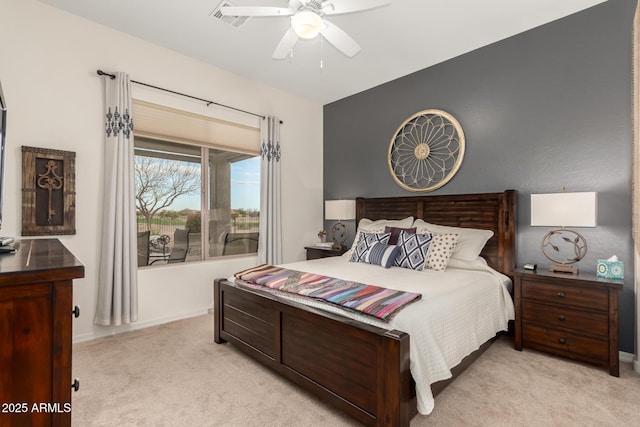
pixel 595 299
pixel 569 318
pixel 316 252
pixel 564 342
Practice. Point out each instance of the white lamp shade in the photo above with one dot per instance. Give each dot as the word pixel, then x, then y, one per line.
pixel 564 209
pixel 339 209
pixel 306 24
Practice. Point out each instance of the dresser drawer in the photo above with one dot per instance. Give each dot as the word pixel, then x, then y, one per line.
pixel 564 317
pixel 584 297
pixel 561 342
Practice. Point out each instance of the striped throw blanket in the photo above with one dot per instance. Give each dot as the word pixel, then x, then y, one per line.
pixel 381 303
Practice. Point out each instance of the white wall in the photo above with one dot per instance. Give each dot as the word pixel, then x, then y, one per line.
pixel 48 63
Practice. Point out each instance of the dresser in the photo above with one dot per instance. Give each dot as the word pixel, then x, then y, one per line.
pixel 574 316
pixel 315 252
pixel 36 315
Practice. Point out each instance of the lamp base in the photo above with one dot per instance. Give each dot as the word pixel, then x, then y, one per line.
pixel 566 269
pixel 337 246
pixel 339 232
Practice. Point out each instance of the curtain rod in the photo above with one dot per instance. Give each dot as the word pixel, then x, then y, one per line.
pixel 113 76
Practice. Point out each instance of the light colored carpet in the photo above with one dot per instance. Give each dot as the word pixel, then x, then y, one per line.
pixel 175 375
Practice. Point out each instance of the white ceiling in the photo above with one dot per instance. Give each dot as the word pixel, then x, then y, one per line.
pixel 396 40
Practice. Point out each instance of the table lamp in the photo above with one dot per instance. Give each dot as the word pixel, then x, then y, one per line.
pixel 339 210
pixel 562 245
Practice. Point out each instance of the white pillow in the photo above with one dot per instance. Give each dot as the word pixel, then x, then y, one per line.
pixel 378 226
pixel 471 241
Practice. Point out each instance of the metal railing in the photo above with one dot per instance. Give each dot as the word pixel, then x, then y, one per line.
pixel 167 225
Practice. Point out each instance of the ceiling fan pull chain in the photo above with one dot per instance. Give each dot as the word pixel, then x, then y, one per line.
pixel 321 53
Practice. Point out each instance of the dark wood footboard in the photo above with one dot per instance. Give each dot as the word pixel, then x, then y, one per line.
pixel 360 369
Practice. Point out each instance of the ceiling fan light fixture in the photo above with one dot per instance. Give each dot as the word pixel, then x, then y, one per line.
pixel 306 24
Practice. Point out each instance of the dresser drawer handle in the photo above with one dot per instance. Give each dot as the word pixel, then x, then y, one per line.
pixel 561 294
pixel 561 341
pixel 561 317
pixel 76 311
pixel 76 384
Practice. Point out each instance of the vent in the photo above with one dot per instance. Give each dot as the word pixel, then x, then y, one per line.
pixel 234 21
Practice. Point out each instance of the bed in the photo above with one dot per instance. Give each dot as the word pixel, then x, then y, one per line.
pixel 363 368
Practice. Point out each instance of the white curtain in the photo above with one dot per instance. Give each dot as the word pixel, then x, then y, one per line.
pixel 118 280
pixel 635 184
pixel 270 240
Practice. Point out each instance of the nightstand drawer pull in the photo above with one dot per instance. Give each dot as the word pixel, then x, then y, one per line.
pixel 561 317
pixel 76 312
pixel 561 341
pixel 76 384
pixel 561 294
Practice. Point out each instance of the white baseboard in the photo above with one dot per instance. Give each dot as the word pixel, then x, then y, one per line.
pixel 626 357
pixel 107 331
pixel 630 358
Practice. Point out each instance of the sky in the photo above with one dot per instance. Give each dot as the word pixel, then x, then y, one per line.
pixel 245 184
pixel 245 188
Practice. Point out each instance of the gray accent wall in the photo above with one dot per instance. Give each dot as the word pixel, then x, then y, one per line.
pixel 546 109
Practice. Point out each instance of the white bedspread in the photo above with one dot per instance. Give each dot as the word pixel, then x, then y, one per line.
pixel 459 311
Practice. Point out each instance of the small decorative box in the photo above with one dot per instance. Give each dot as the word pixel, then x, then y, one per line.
pixel 610 269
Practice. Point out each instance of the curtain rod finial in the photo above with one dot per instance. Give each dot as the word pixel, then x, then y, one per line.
pixel 102 73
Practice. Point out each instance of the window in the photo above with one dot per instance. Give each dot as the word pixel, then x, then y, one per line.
pixel 197 201
pixel 234 203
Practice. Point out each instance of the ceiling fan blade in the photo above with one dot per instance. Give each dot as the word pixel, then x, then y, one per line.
pixel 287 43
pixel 341 40
pixel 335 7
pixel 255 11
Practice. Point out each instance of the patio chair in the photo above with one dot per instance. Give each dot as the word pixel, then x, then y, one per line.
pixel 180 247
pixel 240 243
pixel 143 248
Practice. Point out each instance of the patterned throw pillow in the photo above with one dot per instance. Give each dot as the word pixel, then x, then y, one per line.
pixel 441 249
pixel 364 244
pixel 412 250
pixel 381 254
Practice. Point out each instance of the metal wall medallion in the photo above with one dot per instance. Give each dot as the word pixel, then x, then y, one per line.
pixel 426 151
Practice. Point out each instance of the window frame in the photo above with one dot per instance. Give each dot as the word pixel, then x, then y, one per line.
pixel 210 133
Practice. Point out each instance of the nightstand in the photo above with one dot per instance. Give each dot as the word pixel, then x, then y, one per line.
pixel 315 252
pixel 574 316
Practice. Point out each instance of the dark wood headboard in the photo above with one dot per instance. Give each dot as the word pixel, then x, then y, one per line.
pixel 487 211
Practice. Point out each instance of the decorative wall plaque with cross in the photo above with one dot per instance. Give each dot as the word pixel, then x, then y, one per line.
pixel 48 192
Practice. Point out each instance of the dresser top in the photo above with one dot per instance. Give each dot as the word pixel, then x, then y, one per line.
pixel 39 258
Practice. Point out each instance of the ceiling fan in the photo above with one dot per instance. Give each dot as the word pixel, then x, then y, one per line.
pixel 307 21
